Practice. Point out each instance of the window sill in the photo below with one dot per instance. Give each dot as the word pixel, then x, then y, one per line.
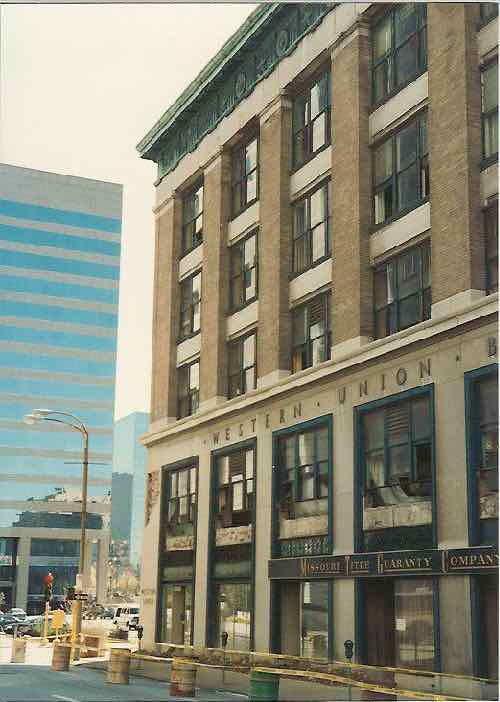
pixel 294 276
pixel 297 166
pixel 235 215
pixel 188 251
pixel 235 310
pixel 180 339
pixel 393 93
pixel 376 227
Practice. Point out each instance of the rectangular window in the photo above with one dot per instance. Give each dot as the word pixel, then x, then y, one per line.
pixel 190 322
pixel 399 51
pixel 189 389
pixel 401 171
pixel 181 497
pixel 243 272
pixel 314 619
pixel 311 120
pixel 233 615
pixel 489 92
pixel 192 219
pixel 397 454
pixel 489 10
pixel 304 468
pixel 235 488
pixel 484 433
pixel 311 336
pixel 245 176
pixel 491 230
pixel 402 291
pixel 311 230
pixel 242 371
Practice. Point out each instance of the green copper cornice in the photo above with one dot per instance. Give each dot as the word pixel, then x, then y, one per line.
pixel 270 33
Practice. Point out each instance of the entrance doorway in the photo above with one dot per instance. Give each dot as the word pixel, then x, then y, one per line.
pixel 488 614
pixel 398 625
pixel 176 614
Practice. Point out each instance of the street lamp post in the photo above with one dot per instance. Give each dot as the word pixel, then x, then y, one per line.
pixel 69 420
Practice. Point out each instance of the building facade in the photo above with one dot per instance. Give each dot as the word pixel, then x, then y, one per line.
pixel 59 276
pixel 324 432
pixel 128 485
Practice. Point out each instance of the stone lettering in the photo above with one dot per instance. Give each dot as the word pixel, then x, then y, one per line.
pixel 267 421
pixel 401 376
pixel 363 388
pixel 216 438
pixel 240 433
pixel 254 420
pixel 424 368
pixel 282 416
pixel 341 395
pixel 492 346
pixel 297 410
pixel 228 434
pixel 382 381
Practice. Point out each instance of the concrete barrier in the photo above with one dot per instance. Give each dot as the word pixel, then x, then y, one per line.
pixel 119 666
pixel 18 651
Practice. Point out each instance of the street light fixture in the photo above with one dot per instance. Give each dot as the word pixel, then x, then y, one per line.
pixel 69 420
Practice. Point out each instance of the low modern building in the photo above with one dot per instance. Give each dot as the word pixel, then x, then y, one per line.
pixel 59 276
pixel 128 485
pixel 324 433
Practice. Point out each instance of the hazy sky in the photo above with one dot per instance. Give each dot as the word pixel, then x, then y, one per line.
pixel 80 85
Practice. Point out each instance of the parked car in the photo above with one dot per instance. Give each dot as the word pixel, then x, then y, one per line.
pixel 108 613
pixel 127 617
pixel 17 612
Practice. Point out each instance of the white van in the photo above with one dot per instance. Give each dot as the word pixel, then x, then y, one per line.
pixel 127 617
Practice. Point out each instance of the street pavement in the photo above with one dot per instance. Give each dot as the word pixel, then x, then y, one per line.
pixel 36 683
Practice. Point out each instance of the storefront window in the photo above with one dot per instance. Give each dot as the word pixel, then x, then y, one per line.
pixel 397 459
pixel 234 614
pixel 399 623
pixel 414 624
pixel 483 434
pixel 176 614
pixel 314 619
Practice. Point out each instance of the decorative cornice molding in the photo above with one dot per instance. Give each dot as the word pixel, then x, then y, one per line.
pixel 271 33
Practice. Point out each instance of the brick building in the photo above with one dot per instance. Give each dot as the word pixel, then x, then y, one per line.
pixel 323 438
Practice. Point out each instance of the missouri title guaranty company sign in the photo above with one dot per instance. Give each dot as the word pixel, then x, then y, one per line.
pixel 430 562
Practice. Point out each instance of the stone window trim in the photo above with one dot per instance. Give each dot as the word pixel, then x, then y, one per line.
pixel 488 115
pixel 239 180
pixel 387 61
pixel 190 308
pixel 237 347
pixel 304 92
pixel 488 11
pixel 422 161
pixel 393 306
pixel 307 234
pixel 239 272
pixel 490 219
pixel 176 512
pixel 319 307
pixel 189 220
pixel 188 375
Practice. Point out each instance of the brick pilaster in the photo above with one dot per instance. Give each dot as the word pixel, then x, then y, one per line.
pixel 455 154
pixel 215 281
pixel 273 353
pixel 166 311
pixel 352 322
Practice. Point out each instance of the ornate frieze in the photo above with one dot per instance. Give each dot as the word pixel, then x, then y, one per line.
pixel 254 60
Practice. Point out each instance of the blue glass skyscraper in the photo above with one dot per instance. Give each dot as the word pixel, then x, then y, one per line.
pixel 59 280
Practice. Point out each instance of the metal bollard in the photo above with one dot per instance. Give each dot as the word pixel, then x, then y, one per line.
pixel 61 656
